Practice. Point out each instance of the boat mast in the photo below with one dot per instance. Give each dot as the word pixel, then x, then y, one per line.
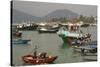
pixel 35 51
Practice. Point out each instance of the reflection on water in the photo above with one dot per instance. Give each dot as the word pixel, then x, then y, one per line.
pixel 50 43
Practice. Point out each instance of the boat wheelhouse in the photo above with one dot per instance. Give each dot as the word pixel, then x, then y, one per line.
pixel 72 34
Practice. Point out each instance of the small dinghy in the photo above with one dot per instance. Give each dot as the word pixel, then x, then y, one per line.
pixel 19 41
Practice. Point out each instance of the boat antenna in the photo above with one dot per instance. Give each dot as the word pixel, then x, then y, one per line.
pixel 35 51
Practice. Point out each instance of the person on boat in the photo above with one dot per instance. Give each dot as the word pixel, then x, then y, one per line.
pixel 35 54
pixel 79 42
pixel 42 55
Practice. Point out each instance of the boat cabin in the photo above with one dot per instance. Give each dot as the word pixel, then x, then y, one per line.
pixel 73 27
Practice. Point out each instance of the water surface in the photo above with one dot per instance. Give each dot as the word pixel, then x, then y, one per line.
pixel 50 43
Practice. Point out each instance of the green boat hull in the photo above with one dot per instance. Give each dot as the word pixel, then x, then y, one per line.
pixel 67 40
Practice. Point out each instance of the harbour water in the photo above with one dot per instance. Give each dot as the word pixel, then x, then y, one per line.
pixel 50 43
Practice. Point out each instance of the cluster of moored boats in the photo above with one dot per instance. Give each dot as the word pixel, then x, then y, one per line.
pixel 16 37
pixel 70 34
pixel 80 42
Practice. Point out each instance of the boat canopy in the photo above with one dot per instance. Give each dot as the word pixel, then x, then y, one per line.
pixel 70 34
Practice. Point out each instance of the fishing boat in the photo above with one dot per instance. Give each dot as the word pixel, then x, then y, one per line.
pixel 87 49
pixel 42 58
pixel 19 41
pixel 45 30
pixel 15 32
pixel 91 54
pixel 69 35
pixel 72 34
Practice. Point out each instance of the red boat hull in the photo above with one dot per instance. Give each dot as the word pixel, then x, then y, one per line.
pixel 31 60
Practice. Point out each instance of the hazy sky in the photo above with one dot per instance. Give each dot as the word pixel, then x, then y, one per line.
pixel 41 8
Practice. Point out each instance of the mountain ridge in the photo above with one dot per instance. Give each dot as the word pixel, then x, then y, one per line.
pixel 19 16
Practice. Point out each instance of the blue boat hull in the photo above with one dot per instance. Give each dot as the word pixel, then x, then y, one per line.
pixel 20 42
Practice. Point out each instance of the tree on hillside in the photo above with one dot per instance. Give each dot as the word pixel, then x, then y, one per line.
pixel 86 19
